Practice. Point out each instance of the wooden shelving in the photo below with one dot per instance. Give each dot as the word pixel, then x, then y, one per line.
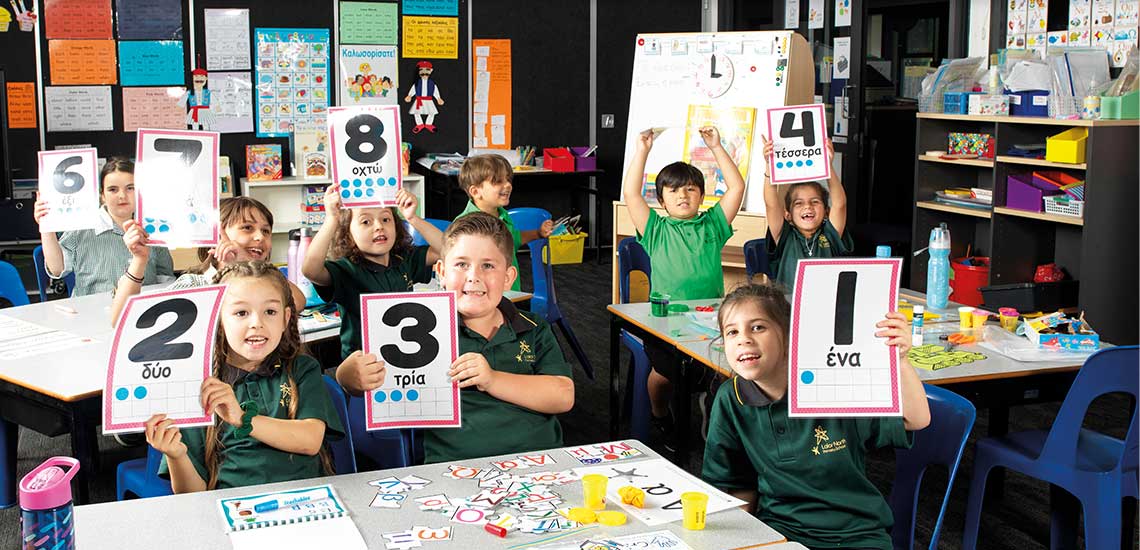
pixel 1043 216
pixel 1039 162
pixel 1030 120
pixel 975 212
pixel 982 163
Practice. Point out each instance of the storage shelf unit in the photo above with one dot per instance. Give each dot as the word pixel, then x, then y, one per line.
pixel 1100 250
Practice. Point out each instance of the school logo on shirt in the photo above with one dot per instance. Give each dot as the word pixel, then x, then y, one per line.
pixel 824 444
pixel 525 354
pixel 823 242
pixel 286 395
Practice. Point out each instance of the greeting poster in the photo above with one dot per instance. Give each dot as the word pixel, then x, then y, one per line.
pixel 227 40
pixel 21 104
pixel 368 23
pixel 231 100
pixel 82 62
pixel 431 7
pixel 149 19
pixel 368 76
pixel 151 63
pixel 431 37
pixel 292 79
pixel 78 108
pixel 491 103
pixel 735 125
pixel 77 19
pixel 154 108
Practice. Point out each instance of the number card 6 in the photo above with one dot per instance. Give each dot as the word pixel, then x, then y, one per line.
pixel 799 148
pixel 366 155
pixel 69 184
pixel 415 334
pixel 162 351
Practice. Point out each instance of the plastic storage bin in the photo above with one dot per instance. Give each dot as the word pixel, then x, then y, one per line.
pixel 567 249
pixel 1029 103
pixel 1067 146
pixel 956 103
pixel 1064 206
pixel 1030 297
pixel 558 159
pixel 1126 106
pixel 968 279
pixel 1025 192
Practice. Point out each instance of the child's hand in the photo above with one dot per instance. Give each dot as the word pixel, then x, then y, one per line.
pixel 218 398
pixel 830 147
pixel 228 252
pixel 361 372
pixel 164 437
pixel 41 209
pixel 407 203
pixel 644 142
pixel 332 202
pixel 711 136
pixel 135 237
pixel 545 229
pixel 768 149
pixel 472 369
pixel 896 331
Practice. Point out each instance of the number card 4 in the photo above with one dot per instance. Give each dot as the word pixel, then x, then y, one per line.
pixel 162 352
pixel 415 334
pixel 799 149
pixel 176 176
pixel 836 365
pixel 69 184
pixel 366 156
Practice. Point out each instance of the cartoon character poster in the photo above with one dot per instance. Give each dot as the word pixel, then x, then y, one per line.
pixel 367 75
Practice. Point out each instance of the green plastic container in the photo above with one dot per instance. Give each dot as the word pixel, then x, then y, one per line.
pixel 1125 107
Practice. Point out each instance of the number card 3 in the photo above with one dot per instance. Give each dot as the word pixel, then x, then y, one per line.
pixel 365 142
pixel 799 149
pixel 836 364
pixel 415 334
pixel 176 176
pixel 162 351
pixel 69 183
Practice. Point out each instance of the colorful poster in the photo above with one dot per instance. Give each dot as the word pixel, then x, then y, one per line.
pixel 799 150
pixel 365 142
pixel 292 79
pixel 231 100
pixel 791 14
pixel 149 19
pixel 431 7
pixel 227 40
pixel 1123 40
pixel 815 13
pixel 151 63
pixel 735 125
pixel 82 62
pixel 842 13
pixel 431 37
pixel 78 108
pixel 176 180
pixel 663 483
pixel 311 150
pixel 491 102
pixel 154 108
pixel 837 367
pixel 368 75
pixel 162 352
pixel 69 185
pixel 842 56
pixel 21 104
pixel 368 23
pixel 77 19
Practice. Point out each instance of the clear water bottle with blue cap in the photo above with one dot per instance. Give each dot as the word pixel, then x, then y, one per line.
pixel 938 268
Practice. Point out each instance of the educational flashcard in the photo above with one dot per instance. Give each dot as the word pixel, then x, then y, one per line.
pixel 176 179
pixel 292 79
pixel 366 161
pixel 368 75
pixel 162 351
pixel 415 334
pixel 603 452
pixel 663 484
pixel 227 40
pixel 799 149
pixel 78 108
pixel 69 183
pixel 837 366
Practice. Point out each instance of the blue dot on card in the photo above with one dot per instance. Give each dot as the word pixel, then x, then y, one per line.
pixel 356 182
pixel 370 191
pixel 779 165
pixel 380 397
pixel 368 182
pixel 122 394
pixel 807 377
pixel 808 162
pixel 344 183
pixel 799 163
pixel 163 228
pixel 358 193
pixel 346 193
pixel 397 395
pixel 149 228
pixel 193 218
pixel 413 395
pixel 392 182
pixel 140 392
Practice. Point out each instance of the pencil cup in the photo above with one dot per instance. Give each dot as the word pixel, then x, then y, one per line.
pixel 594 491
pixel 965 317
pixel 659 304
pixel 693 505
pixel 979 318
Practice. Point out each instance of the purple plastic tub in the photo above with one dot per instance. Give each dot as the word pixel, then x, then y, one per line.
pixel 1023 192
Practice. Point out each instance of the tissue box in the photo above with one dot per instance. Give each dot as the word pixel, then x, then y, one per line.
pixel 1052 331
pixel 962 143
pixel 989 105
pixel 558 159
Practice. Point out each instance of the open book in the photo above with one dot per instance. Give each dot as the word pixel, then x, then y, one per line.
pixel 302 518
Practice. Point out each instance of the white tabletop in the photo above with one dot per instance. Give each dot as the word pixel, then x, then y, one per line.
pixel 673 328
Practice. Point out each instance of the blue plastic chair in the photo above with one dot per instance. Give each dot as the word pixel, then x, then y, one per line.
pixel 530 219
pixel 11 287
pixel 1096 469
pixel 756 257
pixel 942 442
pixel 540 260
pixel 343 453
pixel 632 257
pixel 139 477
pixel 385 448
pixel 42 278
pixel 417 239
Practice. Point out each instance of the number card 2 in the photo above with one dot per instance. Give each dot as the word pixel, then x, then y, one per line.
pixel 162 352
pixel 799 148
pixel 416 335
pixel 836 364
pixel 176 176
pixel 69 183
pixel 365 141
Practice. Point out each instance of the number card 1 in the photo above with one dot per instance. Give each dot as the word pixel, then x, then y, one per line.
pixel 416 335
pixel 366 155
pixel 176 176
pixel 69 183
pixel 836 364
pixel 162 352
pixel 799 149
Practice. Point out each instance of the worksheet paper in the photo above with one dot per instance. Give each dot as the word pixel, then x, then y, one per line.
pixel 227 40
pixel 78 108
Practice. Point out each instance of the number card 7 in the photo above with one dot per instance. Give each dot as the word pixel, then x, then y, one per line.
pixel 415 334
pixel 365 143
pixel 162 352
pixel 799 149
pixel 177 180
pixel 69 184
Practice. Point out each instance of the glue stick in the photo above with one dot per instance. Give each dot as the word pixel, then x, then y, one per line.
pixel 916 327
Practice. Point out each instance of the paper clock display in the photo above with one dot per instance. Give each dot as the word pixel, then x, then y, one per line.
pixel 366 162
pixel 176 176
pixel 69 183
pixel 836 364
pixel 415 334
pixel 799 149
pixel 663 484
pixel 162 351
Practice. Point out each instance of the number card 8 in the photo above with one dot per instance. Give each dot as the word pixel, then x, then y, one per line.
pixel 69 184
pixel 365 143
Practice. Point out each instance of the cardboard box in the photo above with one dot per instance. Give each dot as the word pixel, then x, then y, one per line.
pixel 963 143
pixel 1041 332
pixel 989 105
pixel 558 159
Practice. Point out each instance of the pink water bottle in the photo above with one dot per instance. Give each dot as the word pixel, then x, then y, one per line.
pixel 45 506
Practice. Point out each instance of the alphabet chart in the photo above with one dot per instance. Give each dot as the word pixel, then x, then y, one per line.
pixel 162 352
pixel 365 141
pixel 799 150
pixel 663 484
pixel 603 452
pixel 415 334
pixel 176 176
pixel 69 183
pixel 837 367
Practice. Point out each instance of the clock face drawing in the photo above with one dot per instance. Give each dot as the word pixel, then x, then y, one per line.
pixel 714 75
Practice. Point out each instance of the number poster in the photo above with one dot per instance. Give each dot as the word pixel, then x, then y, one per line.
pixel 837 366
pixel 415 334
pixel 292 79
pixel 365 143
pixel 69 183
pixel 177 187
pixel 799 148
pixel 162 352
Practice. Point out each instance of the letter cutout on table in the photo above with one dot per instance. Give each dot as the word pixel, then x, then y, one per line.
pixel 69 184
pixel 176 177
pixel 799 149
pixel 365 143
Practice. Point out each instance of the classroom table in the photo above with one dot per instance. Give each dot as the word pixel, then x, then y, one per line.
pixel 194 521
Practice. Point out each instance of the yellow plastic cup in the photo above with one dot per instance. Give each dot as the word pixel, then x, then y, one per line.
pixel 964 317
pixel 693 505
pixel 1009 318
pixel 979 317
pixel 594 491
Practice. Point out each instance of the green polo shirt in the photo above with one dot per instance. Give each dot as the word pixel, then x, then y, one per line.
pixel 524 344
pixel 506 217
pixel 246 461
pixel 808 472
pixel 784 256
pixel 684 255
pixel 350 280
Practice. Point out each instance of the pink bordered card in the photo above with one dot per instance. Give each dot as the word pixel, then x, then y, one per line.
pixel 799 144
pixel 366 154
pixel 176 180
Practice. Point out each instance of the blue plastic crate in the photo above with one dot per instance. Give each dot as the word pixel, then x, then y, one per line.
pixel 1029 103
pixel 956 103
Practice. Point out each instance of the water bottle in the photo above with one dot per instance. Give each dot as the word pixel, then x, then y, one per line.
pixel 882 251
pixel 938 269
pixel 293 261
pixel 45 505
